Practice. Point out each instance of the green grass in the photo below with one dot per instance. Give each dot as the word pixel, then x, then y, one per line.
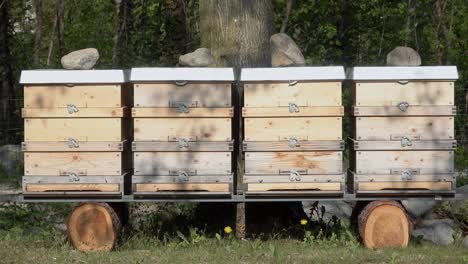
pixel 18 248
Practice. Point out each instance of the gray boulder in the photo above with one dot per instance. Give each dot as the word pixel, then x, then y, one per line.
pixel 403 56
pixel 284 51
pixel 201 57
pixel 11 159
pixel 340 209
pixel 83 59
pixel 418 208
pixel 438 231
pixel 465 241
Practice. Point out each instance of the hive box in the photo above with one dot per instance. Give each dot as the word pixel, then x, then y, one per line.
pixel 182 131
pixel 293 131
pixel 403 130
pixel 75 132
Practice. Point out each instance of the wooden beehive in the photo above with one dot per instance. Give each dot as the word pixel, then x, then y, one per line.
pixel 182 131
pixel 75 133
pixel 403 130
pixel 293 131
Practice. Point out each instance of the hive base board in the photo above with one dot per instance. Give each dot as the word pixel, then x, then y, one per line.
pixel 296 187
pixel 85 186
pixel 393 184
pixel 182 188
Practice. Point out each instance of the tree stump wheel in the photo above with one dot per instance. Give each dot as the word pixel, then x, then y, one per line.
pixel 384 224
pixel 93 227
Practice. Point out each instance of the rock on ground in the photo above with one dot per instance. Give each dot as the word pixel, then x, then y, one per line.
pixel 418 208
pixel 83 59
pixel 438 231
pixel 340 209
pixel 201 57
pixel 284 51
pixel 11 159
pixel 403 56
pixel 465 241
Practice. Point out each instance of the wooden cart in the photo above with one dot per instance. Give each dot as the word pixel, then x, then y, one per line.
pixel 293 131
pixel 182 131
pixel 75 133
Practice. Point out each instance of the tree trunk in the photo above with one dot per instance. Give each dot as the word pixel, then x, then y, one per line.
pixel 120 14
pixel 60 26
pixel 37 30
pixel 238 34
pixel 384 224
pixel 93 227
pixel 284 23
pixel 6 73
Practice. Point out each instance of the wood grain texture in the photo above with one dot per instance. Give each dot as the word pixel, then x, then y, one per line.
pixel 169 129
pixel 399 185
pixel 193 94
pixel 316 162
pixel 189 187
pixel 65 147
pixel 284 111
pixel 203 163
pixel 82 112
pixel 414 93
pixel 275 178
pixel 384 224
pixel 76 187
pixel 174 112
pixel 302 128
pixel 302 94
pixel 424 128
pixel 285 146
pixel 80 129
pixel 327 186
pixel 57 163
pixel 93 227
pixel 382 162
pixel 222 146
pixel 397 145
pixel 59 96
pixel 433 110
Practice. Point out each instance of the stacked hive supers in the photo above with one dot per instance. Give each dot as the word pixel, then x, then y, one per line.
pixel 403 130
pixel 293 131
pixel 74 132
pixel 182 131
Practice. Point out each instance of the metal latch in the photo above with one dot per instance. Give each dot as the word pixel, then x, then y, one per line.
pixel 71 108
pixel 73 177
pixel 183 108
pixel 293 142
pixel 292 83
pixel 73 143
pixel 406 142
pixel 182 143
pixel 294 176
pixel 293 108
pixel 181 83
pixel 183 176
pixel 403 106
pixel 406 174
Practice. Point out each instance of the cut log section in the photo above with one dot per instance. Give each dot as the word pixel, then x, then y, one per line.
pixel 93 227
pixel 384 224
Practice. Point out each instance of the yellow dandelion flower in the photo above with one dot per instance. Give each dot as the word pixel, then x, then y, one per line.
pixel 227 230
pixel 303 222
